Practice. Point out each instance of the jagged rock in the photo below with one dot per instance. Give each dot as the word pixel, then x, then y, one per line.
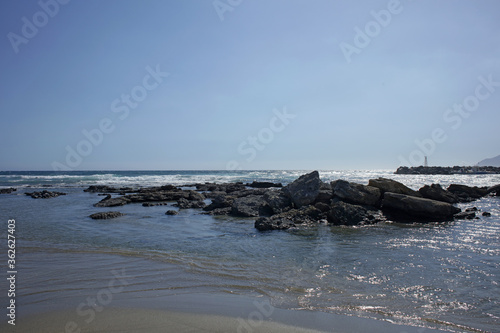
pixel 343 213
pixel 107 189
pixel 255 184
pixel 171 212
pixel 219 211
pixel 185 203
pixel 227 188
pixel 436 192
pixel 469 215
pixel 220 201
pixel 275 223
pixel 105 215
pixel 278 201
pixel 7 190
pixel 305 190
pixel 356 193
pixel 44 194
pixel 389 185
pixel 249 206
pixel 467 193
pixel 153 204
pixel 495 190
pixel 289 219
pixel 403 207
pixel 323 207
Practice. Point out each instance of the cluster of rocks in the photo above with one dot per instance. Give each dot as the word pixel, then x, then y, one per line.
pixel 7 190
pixel 44 194
pixel 308 200
pixel 436 170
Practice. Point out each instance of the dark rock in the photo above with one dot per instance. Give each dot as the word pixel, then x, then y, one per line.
pixel 343 213
pixel 171 212
pixel 289 219
pixel 185 204
pixel 107 189
pixel 255 184
pixel 436 192
pixel 389 185
pixel 153 204
pixel 44 194
pixel 219 211
pixel 494 190
pixel 356 193
pixel 486 214
pixel 7 190
pixel 469 215
pixel 305 190
pixel 466 193
pixel 472 209
pixel 227 188
pixel 403 207
pixel 112 202
pixel 105 215
pixel 220 201
pixel 278 201
pixel 323 207
pixel 436 170
pixel 249 206
pixel 275 223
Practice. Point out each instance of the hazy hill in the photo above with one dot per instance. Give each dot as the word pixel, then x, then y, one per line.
pixel 494 161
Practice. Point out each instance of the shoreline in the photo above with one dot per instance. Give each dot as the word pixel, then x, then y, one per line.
pixel 108 295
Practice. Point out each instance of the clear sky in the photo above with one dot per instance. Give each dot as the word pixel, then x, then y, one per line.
pixel 282 84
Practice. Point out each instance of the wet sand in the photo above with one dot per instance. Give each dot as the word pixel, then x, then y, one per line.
pixel 96 292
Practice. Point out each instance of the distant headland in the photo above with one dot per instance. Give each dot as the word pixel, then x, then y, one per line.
pixel 436 170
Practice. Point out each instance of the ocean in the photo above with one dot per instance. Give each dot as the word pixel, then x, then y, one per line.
pixel 438 275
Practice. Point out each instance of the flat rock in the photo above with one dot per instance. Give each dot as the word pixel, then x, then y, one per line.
pixel 403 207
pixel 389 185
pixel 44 194
pixel 7 190
pixel 249 206
pixel 356 193
pixel 105 215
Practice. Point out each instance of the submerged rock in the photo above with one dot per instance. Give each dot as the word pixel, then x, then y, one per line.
pixel 106 215
pixel 44 194
pixel 404 207
pixel 171 212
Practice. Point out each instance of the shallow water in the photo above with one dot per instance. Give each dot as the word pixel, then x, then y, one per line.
pixel 442 275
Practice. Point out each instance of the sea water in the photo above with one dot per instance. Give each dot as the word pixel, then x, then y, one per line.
pixel 442 275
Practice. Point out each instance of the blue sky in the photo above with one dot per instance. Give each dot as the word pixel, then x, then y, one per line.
pixel 283 84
